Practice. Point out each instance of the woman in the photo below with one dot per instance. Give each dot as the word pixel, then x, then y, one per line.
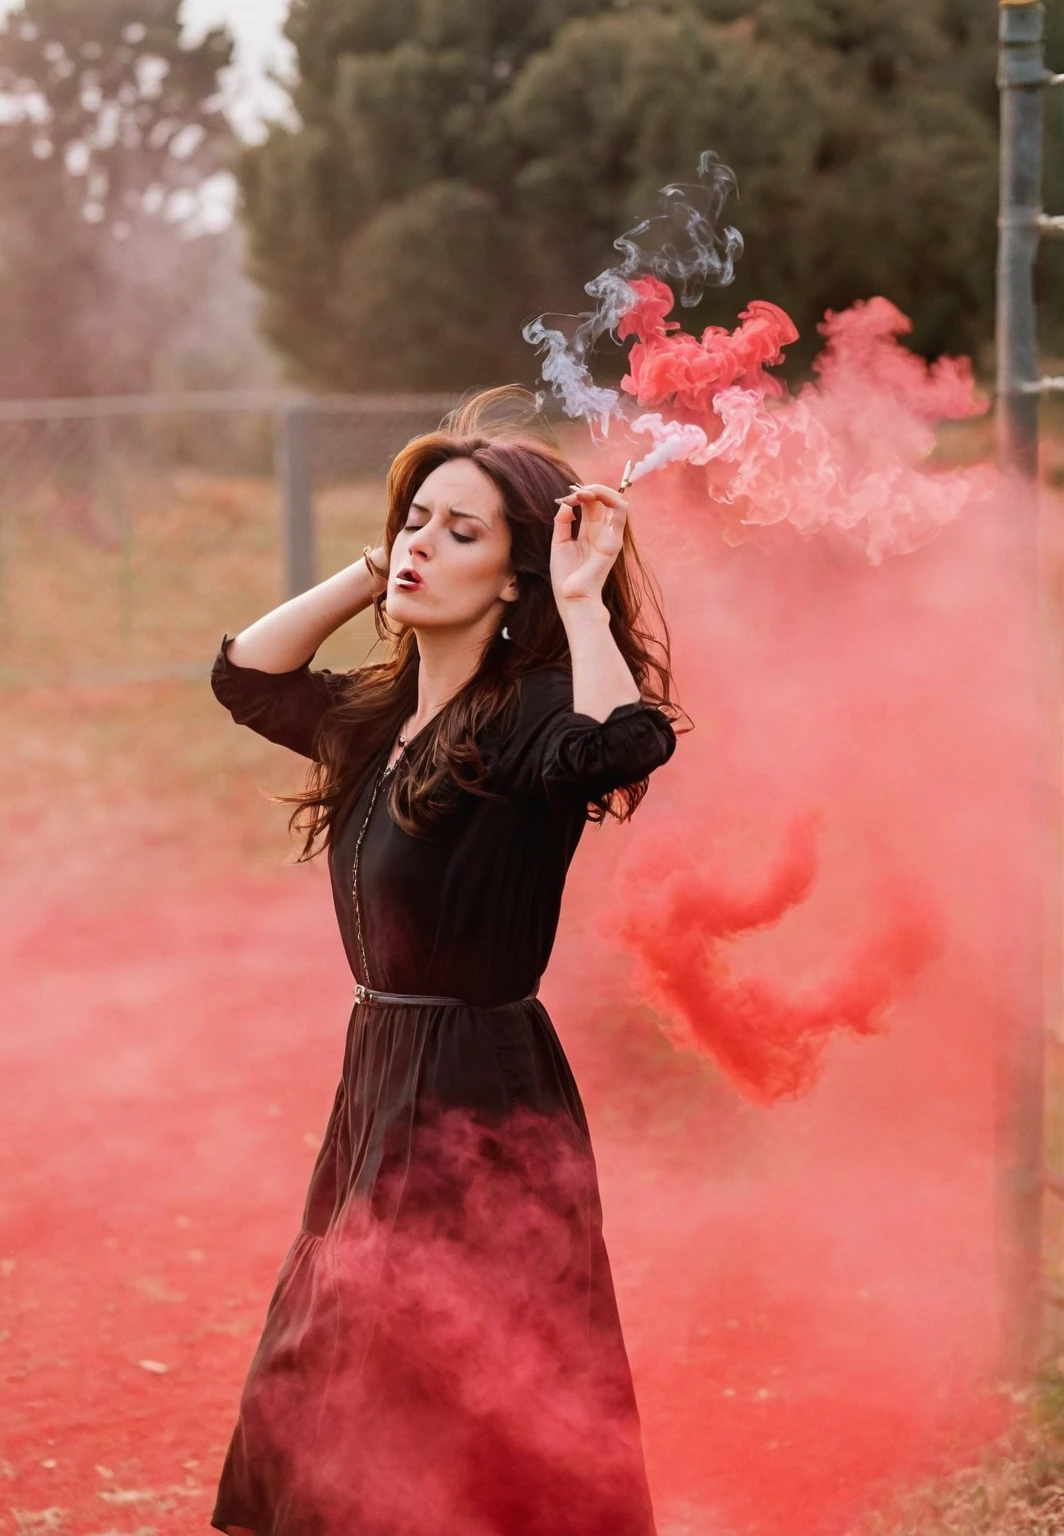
pixel 442 1353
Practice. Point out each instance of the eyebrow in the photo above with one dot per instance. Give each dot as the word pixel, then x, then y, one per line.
pixel 416 506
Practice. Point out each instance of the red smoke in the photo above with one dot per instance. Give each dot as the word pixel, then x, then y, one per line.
pixel 443 1326
pixel 848 457
pixel 678 921
pixel 669 367
pixel 861 353
pixel 831 895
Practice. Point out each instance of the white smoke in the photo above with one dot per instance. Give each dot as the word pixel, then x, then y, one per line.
pixel 682 245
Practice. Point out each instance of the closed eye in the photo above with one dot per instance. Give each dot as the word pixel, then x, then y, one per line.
pixel 462 538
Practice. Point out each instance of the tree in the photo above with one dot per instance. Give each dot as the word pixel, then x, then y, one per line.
pixel 115 128
pixel 460 165
pixel 860 170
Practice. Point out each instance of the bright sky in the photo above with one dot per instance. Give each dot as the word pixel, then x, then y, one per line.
pixel 256 26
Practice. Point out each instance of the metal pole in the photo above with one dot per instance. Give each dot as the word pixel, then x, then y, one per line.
pixel 1031 992
pixel 1022 80
pixel 111 508
pixel 295 474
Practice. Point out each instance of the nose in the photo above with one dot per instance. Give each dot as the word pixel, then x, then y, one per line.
pixel 421 540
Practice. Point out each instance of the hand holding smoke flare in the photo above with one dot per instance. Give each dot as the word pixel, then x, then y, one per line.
pixel 846 456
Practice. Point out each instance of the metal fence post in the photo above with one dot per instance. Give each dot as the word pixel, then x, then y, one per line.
pixel 1027 1022
pixel 111 509
pixel 295 475
pixel 1021 78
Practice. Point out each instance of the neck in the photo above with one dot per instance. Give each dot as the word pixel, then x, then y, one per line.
pixel 448 658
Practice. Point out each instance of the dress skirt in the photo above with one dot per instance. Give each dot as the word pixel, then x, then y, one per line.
pixel 442 1354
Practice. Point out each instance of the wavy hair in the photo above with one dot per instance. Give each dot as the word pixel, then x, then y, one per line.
pixel 529 473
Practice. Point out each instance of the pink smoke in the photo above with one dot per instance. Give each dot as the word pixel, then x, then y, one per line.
pixel 827 902
pixel 667 368
pixel 679 920
pixel 450 1325
pixel 849 457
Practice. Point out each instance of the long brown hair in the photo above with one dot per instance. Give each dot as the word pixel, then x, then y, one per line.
pixel 529 473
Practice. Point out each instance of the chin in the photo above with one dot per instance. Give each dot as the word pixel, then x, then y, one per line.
pixel 414 615
pixel 402 611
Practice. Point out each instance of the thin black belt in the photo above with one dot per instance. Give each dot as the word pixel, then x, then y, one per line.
pixel 371 995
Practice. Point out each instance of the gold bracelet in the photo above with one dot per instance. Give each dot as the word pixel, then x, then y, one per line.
pixel 375 575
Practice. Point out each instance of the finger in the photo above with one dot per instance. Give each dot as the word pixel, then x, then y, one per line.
pixel 604 493
pixel 596 508
pixel 564 518
pixel 597 512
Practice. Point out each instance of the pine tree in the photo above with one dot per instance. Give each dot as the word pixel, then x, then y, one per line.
pixel 460 165
pixel 114 128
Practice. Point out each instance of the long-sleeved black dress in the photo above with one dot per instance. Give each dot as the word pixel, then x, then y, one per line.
pixel 442 1354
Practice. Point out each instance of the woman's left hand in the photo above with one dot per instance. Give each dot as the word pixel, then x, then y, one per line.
pixel 579 566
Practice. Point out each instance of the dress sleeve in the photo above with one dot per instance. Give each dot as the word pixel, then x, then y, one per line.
pixel 285 707
pixel 562 753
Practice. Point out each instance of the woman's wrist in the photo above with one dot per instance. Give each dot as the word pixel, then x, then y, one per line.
pixel 348 593
pixel 602 679
pixel 584 614
pixel 376 564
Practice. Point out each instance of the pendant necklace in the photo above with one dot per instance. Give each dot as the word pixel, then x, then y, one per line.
pixel 401 744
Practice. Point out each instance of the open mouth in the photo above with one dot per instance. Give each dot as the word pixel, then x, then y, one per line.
pixel 408 580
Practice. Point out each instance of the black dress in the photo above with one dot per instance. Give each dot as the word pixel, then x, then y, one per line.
pixel 442 1354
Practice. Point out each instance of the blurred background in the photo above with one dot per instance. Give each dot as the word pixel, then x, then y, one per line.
pixel 353 200
pixel 247 250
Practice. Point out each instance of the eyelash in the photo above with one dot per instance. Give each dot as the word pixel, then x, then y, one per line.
pixel 463 538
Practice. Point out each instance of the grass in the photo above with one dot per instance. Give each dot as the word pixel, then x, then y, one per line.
pixel 92 586
pixel 96 774
pixel 1016 1490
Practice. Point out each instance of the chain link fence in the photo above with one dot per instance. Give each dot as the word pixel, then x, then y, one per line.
pixel 134 530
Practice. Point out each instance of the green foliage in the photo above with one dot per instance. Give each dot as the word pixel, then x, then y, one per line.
pixel 400 306
pixel 112 123
pixel 463 164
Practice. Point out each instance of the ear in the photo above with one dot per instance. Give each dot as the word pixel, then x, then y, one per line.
pixel 511 592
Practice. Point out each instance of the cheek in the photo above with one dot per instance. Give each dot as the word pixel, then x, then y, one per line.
pixel 472 565
pixel 488 560
pixel 471 577
pixel 484 561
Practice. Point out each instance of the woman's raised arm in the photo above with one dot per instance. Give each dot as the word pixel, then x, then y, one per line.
pixel 263 675
pixel 283 638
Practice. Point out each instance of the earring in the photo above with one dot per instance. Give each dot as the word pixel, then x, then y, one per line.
pixel 506 633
